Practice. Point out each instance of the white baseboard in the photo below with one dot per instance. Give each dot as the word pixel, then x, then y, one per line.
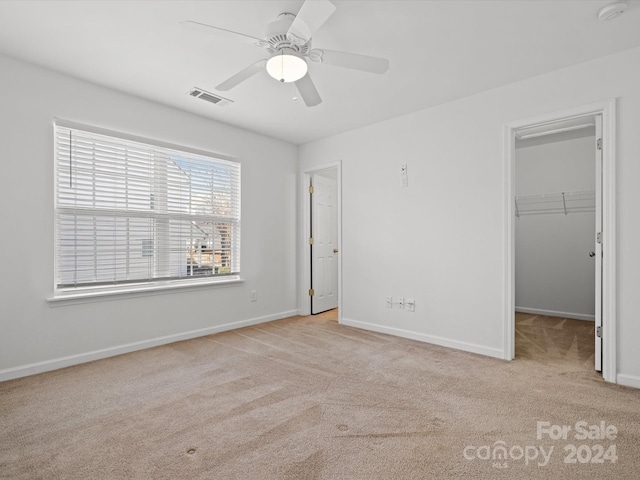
pixel 56 363
pixel 553 313
pixel 421 337
pixel 628 380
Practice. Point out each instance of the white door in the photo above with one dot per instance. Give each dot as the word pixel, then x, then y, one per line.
pixel 324 247
pixel 598 244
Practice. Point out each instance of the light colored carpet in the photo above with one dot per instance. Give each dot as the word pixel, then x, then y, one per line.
pixel 306 398
pixel 552 339
pixel 329 315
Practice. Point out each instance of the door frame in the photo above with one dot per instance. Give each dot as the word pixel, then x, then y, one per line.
pixel 606 108
pixel 305 226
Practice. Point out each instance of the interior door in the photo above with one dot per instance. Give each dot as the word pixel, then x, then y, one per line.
pixel 324 247
pixel 598 245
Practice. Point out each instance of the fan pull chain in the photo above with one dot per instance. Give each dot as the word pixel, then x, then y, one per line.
pixel 282 66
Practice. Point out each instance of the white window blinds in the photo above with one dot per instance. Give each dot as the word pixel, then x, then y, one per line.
pixel 130 212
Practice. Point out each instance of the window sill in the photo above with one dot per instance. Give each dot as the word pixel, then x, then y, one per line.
pixel 100 294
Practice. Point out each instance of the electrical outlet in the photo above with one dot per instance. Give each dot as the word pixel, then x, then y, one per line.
pixel 410 304
pixel 253 296
pixel 401 303
pixel 389 301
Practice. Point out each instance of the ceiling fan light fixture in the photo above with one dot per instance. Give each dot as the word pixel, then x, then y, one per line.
pixel 286 66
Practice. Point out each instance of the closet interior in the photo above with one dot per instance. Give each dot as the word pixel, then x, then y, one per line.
pixel 555 209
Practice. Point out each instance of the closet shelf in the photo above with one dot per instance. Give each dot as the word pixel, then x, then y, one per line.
pixel 560 202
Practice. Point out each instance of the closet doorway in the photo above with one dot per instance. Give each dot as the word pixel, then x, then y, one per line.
pixel 558 212
pixel 321 259
pixel 602 251
pixel 323 240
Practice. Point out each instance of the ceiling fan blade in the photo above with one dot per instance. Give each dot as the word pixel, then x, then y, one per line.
pixel 351 60
pixel 223 32
pixel 242 75
pixel 308 91
pixel 309 19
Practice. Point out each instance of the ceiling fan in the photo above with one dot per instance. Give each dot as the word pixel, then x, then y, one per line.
pixel 288 42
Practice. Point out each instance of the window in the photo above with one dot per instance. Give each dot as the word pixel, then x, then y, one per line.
pixel 129 212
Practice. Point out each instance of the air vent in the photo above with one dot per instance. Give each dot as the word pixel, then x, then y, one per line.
pixel 209 97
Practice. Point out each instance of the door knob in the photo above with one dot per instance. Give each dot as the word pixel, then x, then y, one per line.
pixel 335 250
pixel 592 254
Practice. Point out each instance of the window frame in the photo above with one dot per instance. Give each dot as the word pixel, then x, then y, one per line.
pixel 145 286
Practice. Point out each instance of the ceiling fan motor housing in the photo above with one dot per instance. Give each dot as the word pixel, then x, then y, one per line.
pixel 276 36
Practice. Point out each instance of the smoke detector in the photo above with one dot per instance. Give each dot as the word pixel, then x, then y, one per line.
pixel 611 11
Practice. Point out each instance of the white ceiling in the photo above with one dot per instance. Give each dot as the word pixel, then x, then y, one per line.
pixel 438 51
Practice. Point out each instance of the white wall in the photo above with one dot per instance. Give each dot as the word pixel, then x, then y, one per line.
pixel 32 331
pixel 442 239
pixel 554 274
